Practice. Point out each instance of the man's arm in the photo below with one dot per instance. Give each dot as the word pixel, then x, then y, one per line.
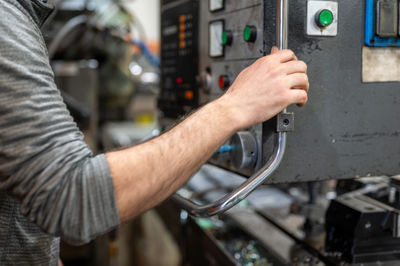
pixel 45 164
pixel 145 175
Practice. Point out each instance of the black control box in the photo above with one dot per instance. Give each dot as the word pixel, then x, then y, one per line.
pixel 179 57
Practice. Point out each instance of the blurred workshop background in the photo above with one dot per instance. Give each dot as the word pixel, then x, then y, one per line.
pixel 105 55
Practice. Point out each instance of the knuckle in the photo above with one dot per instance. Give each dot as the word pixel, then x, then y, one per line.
pixel 245 71
pixel 264 59
pixel 289 53
pixel 261 60
pixel 286 97
pixel 267 61
pixel 282 84
pixel 304 79
pixel 282 98
pixel 304 97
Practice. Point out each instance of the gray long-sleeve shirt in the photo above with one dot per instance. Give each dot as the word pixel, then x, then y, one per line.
pixel 50 183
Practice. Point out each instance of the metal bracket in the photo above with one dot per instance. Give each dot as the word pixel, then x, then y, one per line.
pixel 285 122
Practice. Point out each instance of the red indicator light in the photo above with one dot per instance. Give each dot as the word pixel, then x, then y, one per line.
pixel 179 80
pixel 223 82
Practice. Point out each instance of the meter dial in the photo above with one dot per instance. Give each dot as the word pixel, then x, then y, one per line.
pixel 216 5
pixel 216 47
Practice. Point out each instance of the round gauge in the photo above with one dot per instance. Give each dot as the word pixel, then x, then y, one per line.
pixel 216 47
pixel 216 5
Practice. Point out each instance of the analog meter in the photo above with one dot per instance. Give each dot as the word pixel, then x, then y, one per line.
pixel 216 5
pixel 216 47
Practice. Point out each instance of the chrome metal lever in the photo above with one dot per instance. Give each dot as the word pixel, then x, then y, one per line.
pixel 282 23
pixel 240 193
pixel 273 163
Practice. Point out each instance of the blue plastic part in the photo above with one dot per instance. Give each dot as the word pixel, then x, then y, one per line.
pixel 371 39
pixel 224 149
pixel 154 60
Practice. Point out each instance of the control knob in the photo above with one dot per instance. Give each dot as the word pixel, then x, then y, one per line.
pixel 244 150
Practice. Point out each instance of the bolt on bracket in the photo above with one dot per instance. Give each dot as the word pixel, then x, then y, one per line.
pixel 285 122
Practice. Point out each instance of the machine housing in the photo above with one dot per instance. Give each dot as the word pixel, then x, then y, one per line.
pixel 350 127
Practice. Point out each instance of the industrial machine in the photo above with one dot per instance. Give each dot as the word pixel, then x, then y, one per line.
pixel 369 228
pixel 349 129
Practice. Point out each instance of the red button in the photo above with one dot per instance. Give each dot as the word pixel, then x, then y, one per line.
pixel 179 80
pixel 224 82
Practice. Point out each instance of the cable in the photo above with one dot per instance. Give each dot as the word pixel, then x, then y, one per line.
pixel 65 30
pixel 154 60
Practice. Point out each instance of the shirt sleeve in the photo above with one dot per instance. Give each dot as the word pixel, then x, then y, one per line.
pixel 44 162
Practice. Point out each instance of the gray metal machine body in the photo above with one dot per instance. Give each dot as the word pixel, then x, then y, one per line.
pixel 348 128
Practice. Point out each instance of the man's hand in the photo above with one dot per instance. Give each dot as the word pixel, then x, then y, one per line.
pixel 266 88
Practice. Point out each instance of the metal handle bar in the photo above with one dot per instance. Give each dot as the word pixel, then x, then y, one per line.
pixel 267 170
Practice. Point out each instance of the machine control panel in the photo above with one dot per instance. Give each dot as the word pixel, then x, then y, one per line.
pixel 343 131
pixel 179 58
pixel 236 32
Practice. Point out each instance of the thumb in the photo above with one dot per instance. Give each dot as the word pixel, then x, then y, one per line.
pixel 274 50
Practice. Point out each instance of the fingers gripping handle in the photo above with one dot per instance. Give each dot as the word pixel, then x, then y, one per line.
pixel 266 171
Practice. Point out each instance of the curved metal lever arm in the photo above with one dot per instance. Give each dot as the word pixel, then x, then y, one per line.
pixel 240 193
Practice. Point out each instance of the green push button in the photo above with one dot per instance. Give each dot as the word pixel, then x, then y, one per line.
pixel 227 37
pixel 324 18
pixel 250 33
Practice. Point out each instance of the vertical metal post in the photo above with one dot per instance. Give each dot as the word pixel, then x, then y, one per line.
pixel 282 39
pixel 282 24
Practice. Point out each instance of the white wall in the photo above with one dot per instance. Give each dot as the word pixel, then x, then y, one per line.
pixel 148 13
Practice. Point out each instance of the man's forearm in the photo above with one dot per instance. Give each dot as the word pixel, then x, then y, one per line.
pixel 147 174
